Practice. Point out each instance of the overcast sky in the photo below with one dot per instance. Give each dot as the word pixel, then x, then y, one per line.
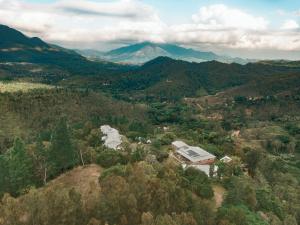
pixel 254 29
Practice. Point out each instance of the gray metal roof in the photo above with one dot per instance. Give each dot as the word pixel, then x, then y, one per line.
pixel 194 154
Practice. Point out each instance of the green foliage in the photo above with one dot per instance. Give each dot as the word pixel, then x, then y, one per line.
pixel 140 193
pixel 4 178
pixel 198 182
pixel 118 170
pixel 140 188
pixel 20 168
pixel 62 153
pixel 141 129
pixel 252 158
pixel 109 157
pixel 138 154
pixel 266 201
pixel 161 113
pixel 167 139
pixel 241 191
pixel 238 215
pixel 240 99
pixel 293 129
pixel 59 206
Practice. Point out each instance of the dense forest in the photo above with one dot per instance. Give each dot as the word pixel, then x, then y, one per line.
pixel 47 132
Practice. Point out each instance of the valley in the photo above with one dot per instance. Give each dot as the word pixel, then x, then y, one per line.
pixel 56 167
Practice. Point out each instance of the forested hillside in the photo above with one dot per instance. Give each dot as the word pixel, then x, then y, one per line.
pixel 56 169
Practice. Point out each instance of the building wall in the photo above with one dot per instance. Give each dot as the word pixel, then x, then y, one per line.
pixel 205 162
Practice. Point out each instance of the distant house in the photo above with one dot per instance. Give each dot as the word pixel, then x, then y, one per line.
pixel 112 139
pixel 192 155
pixel 226 159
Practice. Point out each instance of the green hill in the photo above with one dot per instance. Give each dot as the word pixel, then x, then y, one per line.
pixel 173 79
pixel 18 48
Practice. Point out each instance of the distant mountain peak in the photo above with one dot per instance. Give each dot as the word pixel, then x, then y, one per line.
pixel 143 52
pixel 17 47
pixel 10 38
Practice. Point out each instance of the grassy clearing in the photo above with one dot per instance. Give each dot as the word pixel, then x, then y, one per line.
pixel 21 86
pixel 82 179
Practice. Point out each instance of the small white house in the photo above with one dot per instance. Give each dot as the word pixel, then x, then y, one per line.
pixel 226 159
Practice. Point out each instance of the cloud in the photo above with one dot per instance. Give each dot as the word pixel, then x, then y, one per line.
pixel 83 20
pixel 230 28
pixel 88 22
pixel 290 25
pixel 123 8
pixel 221 16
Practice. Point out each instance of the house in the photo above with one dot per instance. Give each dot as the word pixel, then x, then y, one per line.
pixel 192 155
pixel 226 159
pixel 112 138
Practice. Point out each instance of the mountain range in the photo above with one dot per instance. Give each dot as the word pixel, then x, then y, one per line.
pixel 143 52
pixel 15 47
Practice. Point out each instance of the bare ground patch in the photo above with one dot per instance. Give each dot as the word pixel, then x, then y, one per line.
pixel 219 193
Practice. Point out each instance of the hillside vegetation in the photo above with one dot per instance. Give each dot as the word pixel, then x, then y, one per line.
pixel 56 170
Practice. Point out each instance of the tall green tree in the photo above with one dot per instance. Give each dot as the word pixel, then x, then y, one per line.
pixel 4 179
pixel 20 168
pixel 42 157
pixel 252 158
pixel 62 154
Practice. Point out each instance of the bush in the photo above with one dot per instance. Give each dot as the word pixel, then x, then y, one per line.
pixel 198 182
pixel 238 215
pixel 108 158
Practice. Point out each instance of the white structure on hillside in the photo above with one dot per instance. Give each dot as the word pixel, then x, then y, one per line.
pixel 226 159
pixel 112 138
pixel 192 155
pixel 196 157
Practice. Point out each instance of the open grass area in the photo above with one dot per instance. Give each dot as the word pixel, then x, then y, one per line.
pixel 21 86
pixel 82 179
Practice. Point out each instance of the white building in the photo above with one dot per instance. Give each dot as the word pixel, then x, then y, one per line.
pixel 112 139
pixel 226 159
pixel 192 155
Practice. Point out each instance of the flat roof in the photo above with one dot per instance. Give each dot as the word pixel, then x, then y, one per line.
pixel 195 154
pixel 179 144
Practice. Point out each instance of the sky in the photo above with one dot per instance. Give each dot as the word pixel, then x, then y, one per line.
pixel 244 28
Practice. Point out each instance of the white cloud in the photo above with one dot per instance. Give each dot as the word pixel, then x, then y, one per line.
pixel 221 16
pixel 290 25
pixel 123 9
pixel 83 20
pixel 74 22
pixel 219 25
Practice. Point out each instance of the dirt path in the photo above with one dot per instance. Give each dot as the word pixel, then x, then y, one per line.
pixel 219 193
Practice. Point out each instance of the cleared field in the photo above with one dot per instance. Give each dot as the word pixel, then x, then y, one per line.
pixel 21 86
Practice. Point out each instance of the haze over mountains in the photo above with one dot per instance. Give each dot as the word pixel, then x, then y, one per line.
pixel 145 51
pixel 17 47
